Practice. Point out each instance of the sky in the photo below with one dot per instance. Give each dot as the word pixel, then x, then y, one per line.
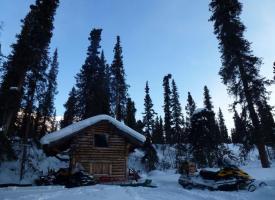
pixel 157 36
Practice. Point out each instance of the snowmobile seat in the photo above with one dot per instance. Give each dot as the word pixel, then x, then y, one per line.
pixel 210 175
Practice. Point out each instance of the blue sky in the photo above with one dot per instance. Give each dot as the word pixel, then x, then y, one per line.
pixel 158 37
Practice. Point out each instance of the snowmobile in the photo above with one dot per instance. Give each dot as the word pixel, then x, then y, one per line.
pixel 228 178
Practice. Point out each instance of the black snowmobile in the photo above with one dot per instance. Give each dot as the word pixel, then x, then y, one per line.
pixel 228 178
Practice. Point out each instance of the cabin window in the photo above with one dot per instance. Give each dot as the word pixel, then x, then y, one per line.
pixel 101 140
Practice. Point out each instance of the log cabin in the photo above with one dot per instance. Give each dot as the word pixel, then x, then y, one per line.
pixel 100 144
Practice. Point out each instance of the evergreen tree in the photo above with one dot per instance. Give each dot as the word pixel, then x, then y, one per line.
pixel 140 127
pixel 158 132
pixel 209 106
pixel 2 58
pixel 167 109
pixel 240 69
pixel 47 109
pixel 207 99
pixel 149 113
pixel 102 93
pixel 26 55
pixel 91 81
pixel 238 130
pixel 34 79
pixel 6 151
pixel 204 145
pixel 130 118
pixel 240 133
pixel 85 79
pixel 189 108
pixel 118 84
pixel 150 158
pixel 70 114
pixel 25 67
pixel 177 117
pixel 267 122
pixel 222 128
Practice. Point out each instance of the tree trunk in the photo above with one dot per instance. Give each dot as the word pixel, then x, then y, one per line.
pixel 26 124
pixel 255 121
pixel 24 150
pixel 12 103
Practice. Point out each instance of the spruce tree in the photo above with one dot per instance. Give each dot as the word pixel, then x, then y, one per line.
pixel 239 129
pixel 177 117
pixel 2 58
pixel 167 109
pixel 204 145
pixel 47 109
pixel 34 79
pixel 207 99
pixel 189 108
pixel 91 81
pixel 209 106
pixel 240 68
pixel 267 122
pixel 222 128
pixel 26 55
pixel 158 132
pixel 102 94
pixel 70 114
pixel 150 158
pixel 140 127
pixel 149 113
pixel 241 133
pixel 85 79
pixel 130 118
pixel 118 83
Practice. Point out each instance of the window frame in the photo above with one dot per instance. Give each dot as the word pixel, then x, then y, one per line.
pixel 107 140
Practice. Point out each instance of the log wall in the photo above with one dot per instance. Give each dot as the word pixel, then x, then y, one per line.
pixel 103 162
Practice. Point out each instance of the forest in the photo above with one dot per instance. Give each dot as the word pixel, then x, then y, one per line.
pixel 28 87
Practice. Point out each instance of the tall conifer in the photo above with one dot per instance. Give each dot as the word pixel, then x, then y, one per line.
pixel 177 117
pixel 149 113
pixel 70 114
pixel 27 53
pixel 207 99
pixel 189 108
pixel 240 68
pixel 222 128
pixel 92 83
pixel 47 109
pixel 130 118
pixel 118 83
pixel 158 132
pixel 167 109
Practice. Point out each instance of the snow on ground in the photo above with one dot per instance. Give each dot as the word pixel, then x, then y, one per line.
pixel 166 181
pixel 168 189
pixel 37 164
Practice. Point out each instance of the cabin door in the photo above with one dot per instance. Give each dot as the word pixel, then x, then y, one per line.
pixel 101 168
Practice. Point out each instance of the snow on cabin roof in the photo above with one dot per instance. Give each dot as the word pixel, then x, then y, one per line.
pixel 78 126
pixel 199 110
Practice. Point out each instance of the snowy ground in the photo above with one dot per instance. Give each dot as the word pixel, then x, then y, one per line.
pixel 167 182
pixel 168 189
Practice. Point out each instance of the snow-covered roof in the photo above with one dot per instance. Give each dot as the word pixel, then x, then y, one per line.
pixel 199 110
pixel 78 126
